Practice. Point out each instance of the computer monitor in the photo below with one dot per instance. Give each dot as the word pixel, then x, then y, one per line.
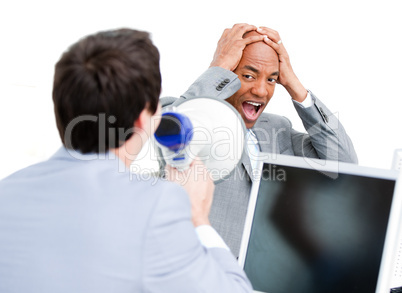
pixel 317 226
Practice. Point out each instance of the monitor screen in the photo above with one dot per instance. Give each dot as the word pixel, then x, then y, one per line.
pixel 312 232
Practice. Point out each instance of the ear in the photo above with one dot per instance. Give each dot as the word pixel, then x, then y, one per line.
pixel 142 119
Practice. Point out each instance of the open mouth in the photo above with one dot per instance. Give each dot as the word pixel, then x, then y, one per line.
pixel 251 110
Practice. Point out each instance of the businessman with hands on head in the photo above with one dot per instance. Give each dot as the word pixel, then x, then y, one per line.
pixel 247 65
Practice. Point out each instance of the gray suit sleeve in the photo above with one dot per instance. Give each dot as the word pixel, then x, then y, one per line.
pixel 175 261
pixel 215 82
pixel 326 138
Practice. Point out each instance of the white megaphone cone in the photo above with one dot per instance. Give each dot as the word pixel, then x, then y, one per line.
pixel 207 128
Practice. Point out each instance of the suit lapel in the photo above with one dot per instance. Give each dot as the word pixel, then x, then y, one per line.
pixel 245 160
pixel 260 130
pixel 263 136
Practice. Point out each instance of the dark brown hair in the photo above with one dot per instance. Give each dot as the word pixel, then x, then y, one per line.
pixel 101 85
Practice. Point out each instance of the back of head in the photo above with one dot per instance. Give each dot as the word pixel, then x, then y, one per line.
pixel 101 85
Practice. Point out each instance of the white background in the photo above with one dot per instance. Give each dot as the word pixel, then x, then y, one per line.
pixel 349 53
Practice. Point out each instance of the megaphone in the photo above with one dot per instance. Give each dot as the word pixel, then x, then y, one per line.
pixel 203 127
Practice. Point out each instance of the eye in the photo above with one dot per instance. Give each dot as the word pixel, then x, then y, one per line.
pixel 247 76
pixel 272 80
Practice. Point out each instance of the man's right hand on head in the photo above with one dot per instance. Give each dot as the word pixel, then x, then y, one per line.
pixel 198 183
pixel 231 45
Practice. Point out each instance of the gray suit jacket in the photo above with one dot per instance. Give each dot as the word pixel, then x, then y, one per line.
pixel 325 139
pixel 75 223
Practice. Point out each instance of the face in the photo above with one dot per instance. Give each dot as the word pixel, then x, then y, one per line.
pixel 258 72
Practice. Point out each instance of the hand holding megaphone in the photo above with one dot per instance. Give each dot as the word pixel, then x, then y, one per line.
pixel 199 186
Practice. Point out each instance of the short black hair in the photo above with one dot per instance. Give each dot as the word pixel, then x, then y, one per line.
pixel 101 85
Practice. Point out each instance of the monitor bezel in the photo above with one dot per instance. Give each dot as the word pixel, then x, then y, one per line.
pixel 331 168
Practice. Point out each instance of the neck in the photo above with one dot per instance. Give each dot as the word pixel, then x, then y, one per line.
pixel 129 151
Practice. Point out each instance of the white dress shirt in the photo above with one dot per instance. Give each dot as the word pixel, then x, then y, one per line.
pixel 209 238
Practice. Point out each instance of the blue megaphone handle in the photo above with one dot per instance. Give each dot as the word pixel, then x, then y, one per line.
pixel 175 131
